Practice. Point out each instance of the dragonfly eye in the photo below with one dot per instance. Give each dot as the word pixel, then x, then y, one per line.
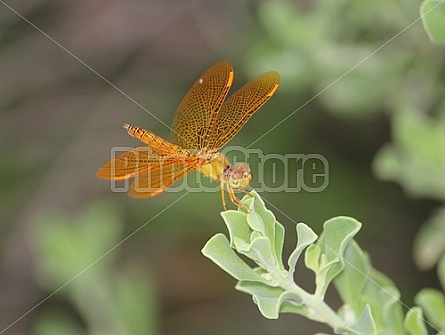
pixel 238 175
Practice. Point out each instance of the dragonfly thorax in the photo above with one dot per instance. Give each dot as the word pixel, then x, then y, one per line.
pixel 236 175
pixel 208 155
pixel 213 165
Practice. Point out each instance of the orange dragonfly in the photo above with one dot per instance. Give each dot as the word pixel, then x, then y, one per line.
pixel 203 123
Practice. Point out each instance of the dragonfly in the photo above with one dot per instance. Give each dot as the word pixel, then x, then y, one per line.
pixel 204 122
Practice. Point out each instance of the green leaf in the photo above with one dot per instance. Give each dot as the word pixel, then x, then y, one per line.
pixel 414 323
pixel 279 244
pixel 259 251
pixel 433 304
pixel 384 299
pixel 433 19
pixel 219 251
pixel 359 284
pixel 68 245
pixel 260 212
pixel 337 233
pixel 279 20
pixel 416 158
pixel 306 237
pixel 134 299
pixel 429 243
pixel 236 224
pixel 256 223
pixel 312 257
pixel 56 322
pixel 364 325
pixel 269 299
pixel 262 220
pixel 351 282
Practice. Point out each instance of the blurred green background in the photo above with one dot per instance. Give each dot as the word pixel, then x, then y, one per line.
pixel 375 113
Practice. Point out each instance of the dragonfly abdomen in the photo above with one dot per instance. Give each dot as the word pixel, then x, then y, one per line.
pixel 156 142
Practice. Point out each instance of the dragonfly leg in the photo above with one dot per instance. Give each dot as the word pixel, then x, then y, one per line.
pixel 222 197
pixel 237 201
pixel 246 192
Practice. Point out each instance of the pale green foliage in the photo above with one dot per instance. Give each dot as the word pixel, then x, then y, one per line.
pixel 433 18
pixel 416 157
pixel 432 301
pixel 429 244
pixel 416 160
pixel 342 49
pixel 414 322
pixel 371 302
pixel 75 259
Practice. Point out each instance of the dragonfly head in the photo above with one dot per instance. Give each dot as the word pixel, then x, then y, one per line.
pixel 238 175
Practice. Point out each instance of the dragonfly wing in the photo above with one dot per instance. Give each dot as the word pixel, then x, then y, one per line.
pixel 197 113
pixel 131 163
pixel 162 176
pixel 241 105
